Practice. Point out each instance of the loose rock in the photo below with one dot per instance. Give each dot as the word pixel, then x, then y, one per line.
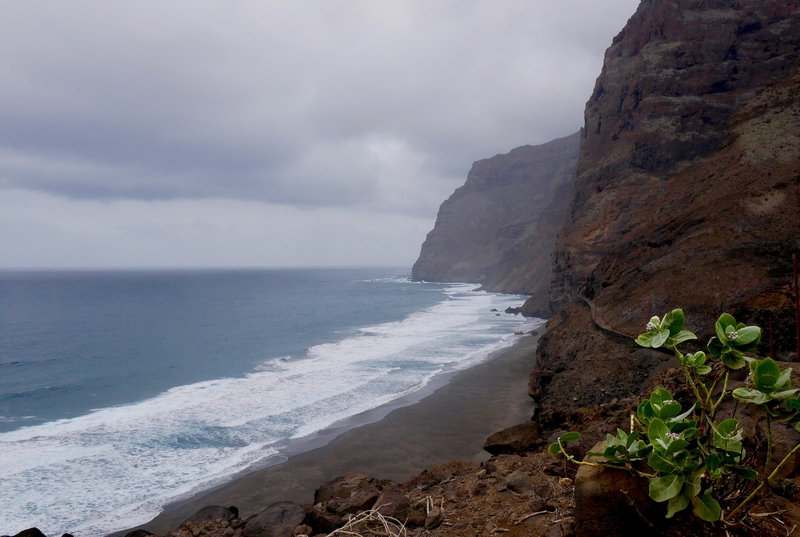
pixel 278 520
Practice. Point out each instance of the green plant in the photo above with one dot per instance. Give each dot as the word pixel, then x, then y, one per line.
pixel 685 452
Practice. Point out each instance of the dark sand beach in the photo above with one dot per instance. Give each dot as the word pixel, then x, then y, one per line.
pixel 452 422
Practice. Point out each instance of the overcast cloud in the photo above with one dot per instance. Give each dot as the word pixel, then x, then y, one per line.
pixel 274 133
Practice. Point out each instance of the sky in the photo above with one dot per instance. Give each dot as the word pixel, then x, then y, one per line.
pixel 195 133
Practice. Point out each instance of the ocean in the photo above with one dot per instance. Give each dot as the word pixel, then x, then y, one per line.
pixel 124 391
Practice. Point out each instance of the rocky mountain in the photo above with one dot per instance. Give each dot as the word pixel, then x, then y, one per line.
pixel 499 228
pixel 687 195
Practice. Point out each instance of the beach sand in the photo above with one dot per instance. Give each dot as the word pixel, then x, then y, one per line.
pixel 451 422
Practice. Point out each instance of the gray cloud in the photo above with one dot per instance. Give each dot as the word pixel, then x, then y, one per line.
pixel 381 105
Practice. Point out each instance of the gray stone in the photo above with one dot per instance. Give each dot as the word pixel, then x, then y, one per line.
pixel 210 512
pixel 434 518
pixel 519 482
pixel 278 520
pixel 516 439
pixel 394 505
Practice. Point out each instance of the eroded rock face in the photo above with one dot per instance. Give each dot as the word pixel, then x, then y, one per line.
pixel 687 192
pixel 499 228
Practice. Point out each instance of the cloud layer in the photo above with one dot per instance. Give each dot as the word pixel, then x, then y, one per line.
pixel 376 108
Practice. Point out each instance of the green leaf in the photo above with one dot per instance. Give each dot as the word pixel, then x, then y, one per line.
pixel 660 338
pixel 728 427
pixel 673 321
pixel 659 463
pixel 703 370
pixel 669 410
pixel 748 395
pixel 680 337
pixel 719 329
pixel 706 508
pixel 743 471
pixel 748 334
pixel 784 381
pixel 712 462
pixel 658 397
pixel 793 403
pixel 681 417
pixel 786 394
pixel 657 431
pixel 645 412
pixel 646 339
pixel 715 346
pixel 554 449
pixel 666 487
pixel 569 437
pixel 698 358
pixel 732 359
pixel 677 504
pixel 692 486
pixel 726 320
pixel 765 374
pixel 632 438
pixel 675 446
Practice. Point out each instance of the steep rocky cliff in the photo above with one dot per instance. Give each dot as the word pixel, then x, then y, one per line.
pixel 499 228
pixel 687 193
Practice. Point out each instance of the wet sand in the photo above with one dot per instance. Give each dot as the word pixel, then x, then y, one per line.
pixel 452 422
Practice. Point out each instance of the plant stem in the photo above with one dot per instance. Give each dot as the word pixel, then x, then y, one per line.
pixel 769 445
pixel 721 396
pixel 711 390
pixel 761 485
pixel 691 384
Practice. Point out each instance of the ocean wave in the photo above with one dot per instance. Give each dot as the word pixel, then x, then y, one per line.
pixel 129 461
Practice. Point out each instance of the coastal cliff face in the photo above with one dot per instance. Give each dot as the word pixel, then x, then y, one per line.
pixel 687 194
pixel 499 228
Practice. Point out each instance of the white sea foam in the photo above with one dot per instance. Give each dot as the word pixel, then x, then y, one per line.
pixel 116 467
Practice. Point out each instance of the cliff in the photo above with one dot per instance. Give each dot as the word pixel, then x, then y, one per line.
pixel 499 228
pixel 687 194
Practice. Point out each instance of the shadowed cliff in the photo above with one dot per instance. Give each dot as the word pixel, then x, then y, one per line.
pixel 687 194
pixel 499 228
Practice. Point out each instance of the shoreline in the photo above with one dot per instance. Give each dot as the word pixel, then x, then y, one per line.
pixel 448 419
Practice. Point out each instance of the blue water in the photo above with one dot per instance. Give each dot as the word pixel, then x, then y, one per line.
pixel 123 391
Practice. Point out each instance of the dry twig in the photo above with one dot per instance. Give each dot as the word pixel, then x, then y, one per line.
pixel 526 517
pixel 372 524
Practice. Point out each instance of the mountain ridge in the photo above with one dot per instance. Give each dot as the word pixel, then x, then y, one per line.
pixel 499 228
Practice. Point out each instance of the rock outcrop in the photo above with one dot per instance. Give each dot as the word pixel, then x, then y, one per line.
pixel 687 194
pixel 499 228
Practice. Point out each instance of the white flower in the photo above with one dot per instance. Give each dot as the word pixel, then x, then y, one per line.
pixel 673 436
pixel 733 336
pixel 651 326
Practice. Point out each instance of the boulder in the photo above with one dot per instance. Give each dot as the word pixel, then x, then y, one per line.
pixel 603 499
pixel 416 516
pixel 344 487
pixel 519 482
pixel 302 529
pixel 361 500
pixel 321 520
pixel 278 520
pixel 394 504
pixel 209 512
pixel 138 533
pixel 516 439
pixel 30 532
pixel 434 518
